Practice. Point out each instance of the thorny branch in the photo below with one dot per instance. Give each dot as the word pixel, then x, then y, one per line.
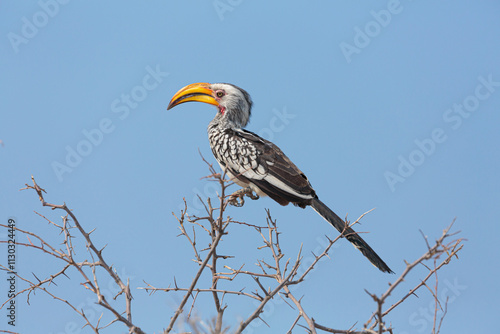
pixel 441 247
pixel 90 280
pixel 273 276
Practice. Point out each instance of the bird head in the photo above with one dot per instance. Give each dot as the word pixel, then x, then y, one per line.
pixel 234 104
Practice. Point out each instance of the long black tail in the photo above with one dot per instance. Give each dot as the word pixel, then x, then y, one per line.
pixel 350 235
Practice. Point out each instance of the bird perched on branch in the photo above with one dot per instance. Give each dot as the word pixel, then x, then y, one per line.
pixel 256 164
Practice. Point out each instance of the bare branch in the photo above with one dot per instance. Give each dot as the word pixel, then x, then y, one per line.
pixel 68 257
pixel 451 249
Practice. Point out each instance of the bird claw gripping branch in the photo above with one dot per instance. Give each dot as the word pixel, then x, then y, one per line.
pixel 240 194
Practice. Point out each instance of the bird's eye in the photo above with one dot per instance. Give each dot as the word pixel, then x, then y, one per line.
pixel 220 93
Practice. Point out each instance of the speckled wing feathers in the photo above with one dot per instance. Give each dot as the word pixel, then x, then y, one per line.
pixel 253 159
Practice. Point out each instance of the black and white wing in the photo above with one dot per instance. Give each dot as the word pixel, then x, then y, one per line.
pixel 256 161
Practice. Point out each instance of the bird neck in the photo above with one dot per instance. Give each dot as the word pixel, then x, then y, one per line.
pixel 222 121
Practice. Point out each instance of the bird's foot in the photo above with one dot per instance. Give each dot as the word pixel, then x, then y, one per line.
pixel 252 195
pixel 238 197
pixel 236 200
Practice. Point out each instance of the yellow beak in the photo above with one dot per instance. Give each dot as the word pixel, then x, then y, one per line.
pixel 197 92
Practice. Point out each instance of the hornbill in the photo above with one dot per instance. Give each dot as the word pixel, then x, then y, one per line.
pixel 257 164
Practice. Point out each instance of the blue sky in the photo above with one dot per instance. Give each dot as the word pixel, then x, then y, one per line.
pixel 388 105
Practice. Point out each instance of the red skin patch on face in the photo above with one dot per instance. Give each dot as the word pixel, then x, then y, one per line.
pixel 217 98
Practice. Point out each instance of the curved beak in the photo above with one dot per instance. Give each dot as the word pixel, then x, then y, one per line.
pixel 197 92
